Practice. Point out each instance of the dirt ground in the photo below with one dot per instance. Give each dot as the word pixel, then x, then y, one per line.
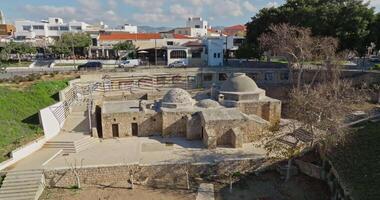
pixel 95 193
pixel 270 186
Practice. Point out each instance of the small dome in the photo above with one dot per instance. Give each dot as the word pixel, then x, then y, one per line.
pixel 178 96
pixel 239 82
pixel 208 103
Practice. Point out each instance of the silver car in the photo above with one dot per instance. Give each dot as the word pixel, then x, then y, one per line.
pixel 178 63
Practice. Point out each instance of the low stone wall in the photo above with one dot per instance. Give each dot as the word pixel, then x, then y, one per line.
pixel 165 175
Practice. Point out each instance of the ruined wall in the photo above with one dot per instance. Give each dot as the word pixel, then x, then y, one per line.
pixel 165 175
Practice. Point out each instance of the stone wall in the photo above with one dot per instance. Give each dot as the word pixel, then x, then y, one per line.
pixel 269 110
pixel 174 123
pixel 166 175
pixel 193 127
pixel 149 123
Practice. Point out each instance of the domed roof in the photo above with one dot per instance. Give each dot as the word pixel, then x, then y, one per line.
pixel 208 103
pixel 178 96
pixel 239 82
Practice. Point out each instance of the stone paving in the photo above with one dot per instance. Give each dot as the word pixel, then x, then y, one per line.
pixel 137 150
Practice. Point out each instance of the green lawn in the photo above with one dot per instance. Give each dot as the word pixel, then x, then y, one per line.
pixel 19 120
pixel 16 64
pixel 358 161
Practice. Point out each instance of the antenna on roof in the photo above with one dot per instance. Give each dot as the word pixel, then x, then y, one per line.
pixel 2 19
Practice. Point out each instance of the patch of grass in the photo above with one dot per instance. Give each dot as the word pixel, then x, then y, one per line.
pixel 74 187
pixel 15 63
pixel 19 120
pixel 376 67
pixel 357 161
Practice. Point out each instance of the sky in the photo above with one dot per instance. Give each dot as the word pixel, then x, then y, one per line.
pixel 172 13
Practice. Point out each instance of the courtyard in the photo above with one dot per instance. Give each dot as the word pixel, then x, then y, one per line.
pixel 138 150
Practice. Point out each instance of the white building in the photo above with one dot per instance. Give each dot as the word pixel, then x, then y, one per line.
pixel 196 22
pixel 177 53
pixel 195 27
pixel 214 51
pixel 51 28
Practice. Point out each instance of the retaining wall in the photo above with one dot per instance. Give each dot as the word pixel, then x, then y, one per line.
pixel 163 175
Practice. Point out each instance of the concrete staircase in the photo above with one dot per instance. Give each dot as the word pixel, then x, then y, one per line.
pixel 77 121
pixel 22 185
pixel 72 146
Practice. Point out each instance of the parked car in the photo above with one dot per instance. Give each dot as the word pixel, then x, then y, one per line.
pixel 90 66
pixel 130 63
pixel 178 63
pixel 374 59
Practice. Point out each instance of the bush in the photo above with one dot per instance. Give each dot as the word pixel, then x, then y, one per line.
pixel 376 67
pixel 275 127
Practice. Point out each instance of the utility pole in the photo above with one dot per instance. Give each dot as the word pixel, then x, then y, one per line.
pixel 155 52
pixel 72 46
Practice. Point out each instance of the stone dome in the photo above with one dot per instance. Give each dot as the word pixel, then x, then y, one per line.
pixel 208 103
pixel 239 82
pixel 177 96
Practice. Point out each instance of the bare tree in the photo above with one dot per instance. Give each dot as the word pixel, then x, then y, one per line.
pixel 322 103
pixel 298 46
pixel 74 168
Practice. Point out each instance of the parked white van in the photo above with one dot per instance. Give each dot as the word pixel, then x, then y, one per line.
pixel 130 63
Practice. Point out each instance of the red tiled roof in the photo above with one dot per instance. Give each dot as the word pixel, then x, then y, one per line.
pixel 236 27
pixel 129 36
pixel 192 44
pixel 180 36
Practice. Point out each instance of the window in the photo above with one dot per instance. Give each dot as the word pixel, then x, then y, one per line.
pixel 64 28
pixel 218 55
pixel 26 28
pixel 254 76
pixel 196 54
pixel 76 28
pixel 269 76
pixel 53 28
pixel 170 43
pixel 207 77
pixel 178 54
pixel 197 26
pixel 284 76
pixel 223 76
pixel 38 27
pixel 214 55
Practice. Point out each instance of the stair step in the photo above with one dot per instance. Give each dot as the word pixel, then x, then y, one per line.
pixel 18 194
pixel 17 187
pixel 21 198
pixel 18 176
pixel 22 183
pixel 19 190
pixel 17 180
pixel 24 172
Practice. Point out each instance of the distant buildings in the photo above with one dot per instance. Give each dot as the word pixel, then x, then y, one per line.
pixel 195 44
pixel 5 29
pixel 53 28
pixel 195 27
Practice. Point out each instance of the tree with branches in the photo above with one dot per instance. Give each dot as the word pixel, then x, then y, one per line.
pixel 298 46
pixel 321 104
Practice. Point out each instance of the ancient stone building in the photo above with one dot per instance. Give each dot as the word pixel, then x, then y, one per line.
pixel 240 114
